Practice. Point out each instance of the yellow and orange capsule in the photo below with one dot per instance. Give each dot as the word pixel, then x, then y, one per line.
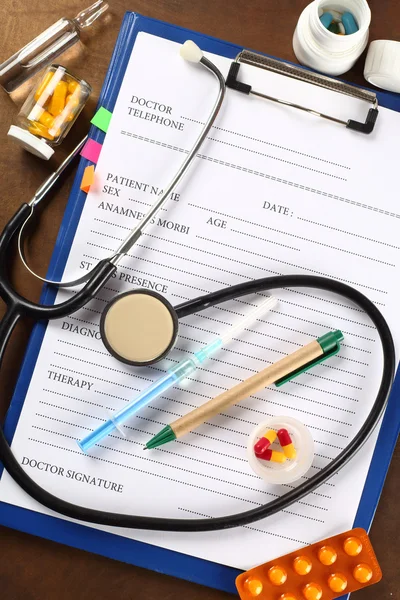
pixel 40 130
pixel 272 456
pixel 43 85
pixel 57 102
pixel 265 442
pixel 287 445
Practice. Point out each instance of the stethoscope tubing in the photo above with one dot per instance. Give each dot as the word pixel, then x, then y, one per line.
pixel 19 308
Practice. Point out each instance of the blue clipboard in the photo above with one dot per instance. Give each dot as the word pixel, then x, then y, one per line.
pixel 92 540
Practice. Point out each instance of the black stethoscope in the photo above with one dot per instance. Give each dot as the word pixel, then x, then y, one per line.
pixel 19 308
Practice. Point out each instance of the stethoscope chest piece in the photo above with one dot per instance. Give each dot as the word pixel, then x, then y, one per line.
pixel 139 327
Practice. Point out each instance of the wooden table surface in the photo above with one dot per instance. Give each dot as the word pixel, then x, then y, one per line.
pixel 35 569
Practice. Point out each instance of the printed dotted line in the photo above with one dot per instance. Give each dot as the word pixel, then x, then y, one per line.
pixel 145 203
pixel 324 391
pixel 212 450
pixel 82 347
pixel 111 223
pixel 243 354
pixel 278 312
pixel 83 321
pixel 88 362
pixel 93 310
pixel 111 462
pixel 72 398
pixel 356 348
pixel 196 262
pixel 344 371
pixel 269 401
pixel 323 456
pixel 225 362
pixel 94 377
pixel 280 391
pixel 253 139
pixel 334 303
pixel 119 239
pixel 59 421
pixel 359 362
pixel 76 412
pixel 287 263
pixel 265 176
pixel 210 437
pixel 203 251
pixel 288 162
pixel 363 237
pixel 350 385
pixel 284 537
pixel 347 306
pixel 119 397
pixel 320 244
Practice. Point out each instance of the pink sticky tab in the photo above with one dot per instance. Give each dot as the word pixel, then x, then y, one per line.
pixel 91 150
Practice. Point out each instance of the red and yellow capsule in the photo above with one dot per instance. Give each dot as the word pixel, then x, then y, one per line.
pixel 265 442
pixel 287 445
pixel 272 456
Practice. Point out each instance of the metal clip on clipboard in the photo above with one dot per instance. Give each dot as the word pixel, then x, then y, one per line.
pixel 283 68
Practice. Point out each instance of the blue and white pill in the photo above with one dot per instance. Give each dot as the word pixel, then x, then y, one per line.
pixel 326 19
pixel 349 22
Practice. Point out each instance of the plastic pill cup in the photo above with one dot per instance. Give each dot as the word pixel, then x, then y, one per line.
pixel 49 112
pixel 318 48
pixel 290 470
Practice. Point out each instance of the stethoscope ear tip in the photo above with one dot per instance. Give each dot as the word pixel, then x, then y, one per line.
pixel 191 52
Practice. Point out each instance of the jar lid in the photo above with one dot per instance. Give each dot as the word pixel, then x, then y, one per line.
pixel 382 65
pixel 30 142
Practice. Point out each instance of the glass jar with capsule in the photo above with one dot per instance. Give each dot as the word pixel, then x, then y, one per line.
pixel 49 112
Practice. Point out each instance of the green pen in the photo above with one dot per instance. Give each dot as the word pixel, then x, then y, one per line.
pixel 279 373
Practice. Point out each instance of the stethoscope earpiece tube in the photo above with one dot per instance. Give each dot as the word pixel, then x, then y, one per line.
pixel 244 518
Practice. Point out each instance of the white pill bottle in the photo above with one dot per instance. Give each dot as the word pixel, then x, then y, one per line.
pixel 318 48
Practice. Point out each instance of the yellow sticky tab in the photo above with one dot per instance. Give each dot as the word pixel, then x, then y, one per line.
pixel 87 179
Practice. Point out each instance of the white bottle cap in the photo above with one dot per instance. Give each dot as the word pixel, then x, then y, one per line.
pixel 30 142
pixel 382 65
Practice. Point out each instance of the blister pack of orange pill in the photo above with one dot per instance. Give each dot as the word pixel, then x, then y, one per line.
pixel 326 570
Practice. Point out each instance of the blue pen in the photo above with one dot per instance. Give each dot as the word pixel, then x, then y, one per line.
pixel 172 377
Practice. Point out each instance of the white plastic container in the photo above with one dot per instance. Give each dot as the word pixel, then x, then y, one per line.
pixel 291 470
pixel 318 48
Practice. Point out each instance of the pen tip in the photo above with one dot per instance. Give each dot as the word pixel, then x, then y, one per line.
pixel 144 447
